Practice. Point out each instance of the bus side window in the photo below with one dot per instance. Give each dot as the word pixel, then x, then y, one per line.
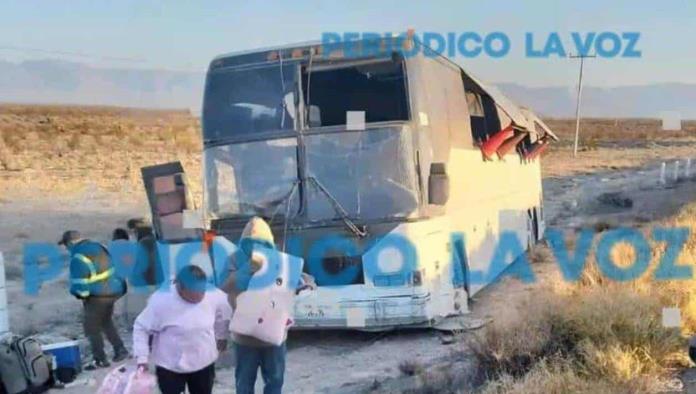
pixel 478 119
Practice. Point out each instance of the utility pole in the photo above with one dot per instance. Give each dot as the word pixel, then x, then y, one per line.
pixel 577 103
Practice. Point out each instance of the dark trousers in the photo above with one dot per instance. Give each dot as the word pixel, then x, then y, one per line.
pixel 98 322
pixel 199 382
pixel 271 360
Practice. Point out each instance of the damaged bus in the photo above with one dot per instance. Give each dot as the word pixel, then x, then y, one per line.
pixel 393 176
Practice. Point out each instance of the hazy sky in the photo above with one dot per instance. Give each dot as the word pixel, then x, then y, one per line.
pixel 188 34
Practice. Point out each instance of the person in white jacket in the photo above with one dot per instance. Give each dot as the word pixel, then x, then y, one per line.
pixel 181 331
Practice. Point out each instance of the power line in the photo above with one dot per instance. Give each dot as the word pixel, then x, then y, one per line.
pixel 96 57
pixel 69 53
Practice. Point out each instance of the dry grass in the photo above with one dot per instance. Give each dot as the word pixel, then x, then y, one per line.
pixel 599 130
pixel 559 160
pixel 595 335
pixel 607 144
pixel 69 151
pixel 553 377
pixel 600 341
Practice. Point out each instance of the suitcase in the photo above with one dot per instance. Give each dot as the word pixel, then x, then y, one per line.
pixel 11 371
pixel 24 368
pixel 35 364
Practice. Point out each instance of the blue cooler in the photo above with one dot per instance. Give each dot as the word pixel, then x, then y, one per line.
pixel 66 354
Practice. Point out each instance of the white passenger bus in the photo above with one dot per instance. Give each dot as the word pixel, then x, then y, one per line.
pixel 394 177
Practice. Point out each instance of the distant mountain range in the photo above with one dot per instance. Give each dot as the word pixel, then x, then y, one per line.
pixel 641 101
pixel 60 82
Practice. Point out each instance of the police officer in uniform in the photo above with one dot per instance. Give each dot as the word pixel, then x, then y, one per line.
pixel 94 281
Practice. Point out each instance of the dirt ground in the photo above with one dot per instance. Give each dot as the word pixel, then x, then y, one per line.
pixel 50 181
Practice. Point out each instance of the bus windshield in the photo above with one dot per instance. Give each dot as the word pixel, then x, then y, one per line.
pixel 363 175
pixel 244 101
pixel 252 178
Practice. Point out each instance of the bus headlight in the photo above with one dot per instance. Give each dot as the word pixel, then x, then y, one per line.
pixel 390 260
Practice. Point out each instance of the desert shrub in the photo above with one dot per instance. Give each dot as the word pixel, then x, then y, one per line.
pixel 594 335
pixel 513 347
pixel 14 141
pixel 410 368
pixel 441 381
pixel 118 130
pixel 553 376
pixel 614 336
pixel 539 254
pixel 591 143
pixel 74 142
pixel 188 139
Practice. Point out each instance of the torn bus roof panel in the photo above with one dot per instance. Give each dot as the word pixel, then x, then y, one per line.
pixel 523 118
pixel 541 128
pixel 507 106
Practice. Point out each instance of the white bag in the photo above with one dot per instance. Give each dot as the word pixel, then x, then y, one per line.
pixel 265 311
pixel 264 315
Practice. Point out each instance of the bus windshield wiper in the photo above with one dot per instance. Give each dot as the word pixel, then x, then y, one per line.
pixel 283 201
pixel 361 233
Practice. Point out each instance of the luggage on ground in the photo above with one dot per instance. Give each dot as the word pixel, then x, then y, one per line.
pixel 36 364
pixel 11 371
pixel 24 368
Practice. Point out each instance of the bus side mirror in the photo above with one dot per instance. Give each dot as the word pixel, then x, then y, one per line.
pixel 438 184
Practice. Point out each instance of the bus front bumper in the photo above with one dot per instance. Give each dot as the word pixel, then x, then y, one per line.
pixel 322 309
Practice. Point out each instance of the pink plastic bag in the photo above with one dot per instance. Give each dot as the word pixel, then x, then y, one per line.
pixel 141 382
pixel 126 379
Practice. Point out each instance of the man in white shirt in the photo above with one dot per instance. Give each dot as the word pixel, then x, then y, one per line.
pixel 189 326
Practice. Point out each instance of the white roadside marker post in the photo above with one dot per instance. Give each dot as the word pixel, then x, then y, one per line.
pixel 687 169
pixel 4 314
pixel 663 168
pixel 676 171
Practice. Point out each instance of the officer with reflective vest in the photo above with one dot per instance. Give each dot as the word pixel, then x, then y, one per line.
pixel 93 280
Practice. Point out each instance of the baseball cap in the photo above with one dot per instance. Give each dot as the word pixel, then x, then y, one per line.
pixel 69 236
